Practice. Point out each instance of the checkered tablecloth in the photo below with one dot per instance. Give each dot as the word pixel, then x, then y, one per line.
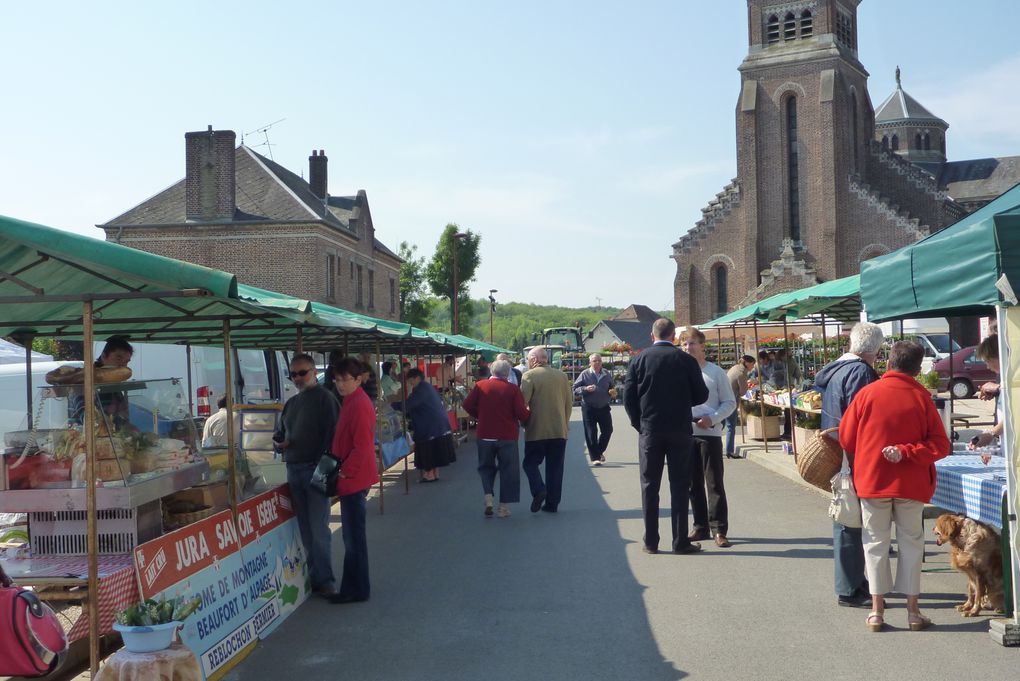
pixel 118 587
pixel 967 486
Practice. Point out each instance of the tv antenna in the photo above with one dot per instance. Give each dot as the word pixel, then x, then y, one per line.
pixel 265 134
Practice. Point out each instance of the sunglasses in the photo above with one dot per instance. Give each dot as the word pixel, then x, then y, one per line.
pixel 302 373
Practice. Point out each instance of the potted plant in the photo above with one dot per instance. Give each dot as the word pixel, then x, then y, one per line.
pixel 930 380
pixel 151 625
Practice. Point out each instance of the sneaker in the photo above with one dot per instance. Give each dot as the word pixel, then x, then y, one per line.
pixel 488 505
pixel 602 458
pixel 503 511
pixel 596 462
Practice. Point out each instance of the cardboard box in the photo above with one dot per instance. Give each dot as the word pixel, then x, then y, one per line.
pixel 771 427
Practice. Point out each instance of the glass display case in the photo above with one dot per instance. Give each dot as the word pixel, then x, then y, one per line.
pixel 146 446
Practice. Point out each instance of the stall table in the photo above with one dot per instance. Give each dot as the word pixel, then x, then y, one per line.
pixel 118 588
pixel 965 485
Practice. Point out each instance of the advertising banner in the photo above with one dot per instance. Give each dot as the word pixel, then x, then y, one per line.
pixel 250 574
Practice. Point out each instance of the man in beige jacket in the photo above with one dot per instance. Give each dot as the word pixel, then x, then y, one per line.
pixel 548 395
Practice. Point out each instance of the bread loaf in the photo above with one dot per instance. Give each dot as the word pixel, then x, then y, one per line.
pixel 69 375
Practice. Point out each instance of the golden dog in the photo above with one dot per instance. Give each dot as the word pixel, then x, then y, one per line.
pixel 976 551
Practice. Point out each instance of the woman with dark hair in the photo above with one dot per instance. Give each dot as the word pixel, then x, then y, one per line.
pixel 988 352
pixel 894 435
pixel 433 439
pixel 354 446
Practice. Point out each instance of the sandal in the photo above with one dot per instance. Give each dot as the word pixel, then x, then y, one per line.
pixel 918 622
pixel 875 621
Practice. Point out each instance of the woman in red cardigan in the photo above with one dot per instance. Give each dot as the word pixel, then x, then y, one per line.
pixel 354 445
pixel 894 436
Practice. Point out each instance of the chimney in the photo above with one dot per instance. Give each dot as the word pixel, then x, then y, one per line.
pixel 317 173
pixel 209 180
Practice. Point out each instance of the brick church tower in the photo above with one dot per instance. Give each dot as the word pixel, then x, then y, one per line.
pixel 814 193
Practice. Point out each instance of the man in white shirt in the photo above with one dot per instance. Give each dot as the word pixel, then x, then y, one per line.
pixel 214 432
pixel 515 372
pixel 711 512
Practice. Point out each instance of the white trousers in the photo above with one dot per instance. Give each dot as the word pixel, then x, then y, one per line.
pixel 878 516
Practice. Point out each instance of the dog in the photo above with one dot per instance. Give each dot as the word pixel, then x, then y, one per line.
pixel 976 551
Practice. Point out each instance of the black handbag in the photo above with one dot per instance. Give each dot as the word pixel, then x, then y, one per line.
pixel 325 475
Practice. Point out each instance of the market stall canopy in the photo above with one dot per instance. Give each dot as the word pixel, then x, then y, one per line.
pixel 838 300
pixel 953 272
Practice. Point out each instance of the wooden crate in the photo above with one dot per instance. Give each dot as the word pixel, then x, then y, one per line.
pixel 771 427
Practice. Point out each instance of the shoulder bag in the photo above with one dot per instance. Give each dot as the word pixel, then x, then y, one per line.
pixel 845 507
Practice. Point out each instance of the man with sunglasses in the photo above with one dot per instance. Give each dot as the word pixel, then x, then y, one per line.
pixel 305 433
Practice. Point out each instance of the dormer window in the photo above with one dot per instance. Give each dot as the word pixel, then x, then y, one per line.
pixel 806 24
pixel 772 30
pixel 789 27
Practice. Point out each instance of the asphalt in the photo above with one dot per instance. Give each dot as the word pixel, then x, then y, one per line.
pixel 570 595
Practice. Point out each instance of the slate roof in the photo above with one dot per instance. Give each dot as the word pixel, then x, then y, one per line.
pixel 980 179
pixel 264 191
pixel 641 313
pixel 636 334
pixel 900 106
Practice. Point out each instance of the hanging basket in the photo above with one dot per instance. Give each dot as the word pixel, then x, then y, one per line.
pixel 819 459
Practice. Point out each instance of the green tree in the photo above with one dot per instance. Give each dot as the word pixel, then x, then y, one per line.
pixel 440 271
pixel 414 301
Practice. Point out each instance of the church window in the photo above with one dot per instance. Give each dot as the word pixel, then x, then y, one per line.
pixel 793 170
pixel 806 24
pixel 853 135
pixel 845 29
pixel 720 281
pixel 895 143
pixel 885 142
pixel 942 145
pixel 772 30
pixel 917 141
pixel 927 142
pixel 789 26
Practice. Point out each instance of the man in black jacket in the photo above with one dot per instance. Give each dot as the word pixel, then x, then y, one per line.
pixel 662 385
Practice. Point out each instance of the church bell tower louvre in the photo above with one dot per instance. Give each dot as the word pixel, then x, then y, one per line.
pixel 814 194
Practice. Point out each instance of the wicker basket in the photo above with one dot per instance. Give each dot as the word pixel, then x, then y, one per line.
pixel 819 459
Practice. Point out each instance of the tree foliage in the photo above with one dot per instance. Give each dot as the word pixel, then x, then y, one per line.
pixel 439 272
pixel 414 300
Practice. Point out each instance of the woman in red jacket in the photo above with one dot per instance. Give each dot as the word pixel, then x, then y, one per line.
pixel 354 446
pixel 894 435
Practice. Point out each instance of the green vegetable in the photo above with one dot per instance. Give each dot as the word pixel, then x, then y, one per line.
pixel 162 611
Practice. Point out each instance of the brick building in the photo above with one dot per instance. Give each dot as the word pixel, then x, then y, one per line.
pixel 238 211
pixel 821 184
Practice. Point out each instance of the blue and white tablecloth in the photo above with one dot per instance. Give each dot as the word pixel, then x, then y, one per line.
pixel 967 486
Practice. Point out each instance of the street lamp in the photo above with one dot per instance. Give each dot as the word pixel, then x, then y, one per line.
pixel 492 309
pixel 455 321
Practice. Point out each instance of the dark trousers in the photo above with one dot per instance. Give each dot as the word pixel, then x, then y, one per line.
pixel 500 455
pixel 354 582
pixel 674 451
pixel 848 555
pixel 710 512
pixel 598 428
pixel 552 452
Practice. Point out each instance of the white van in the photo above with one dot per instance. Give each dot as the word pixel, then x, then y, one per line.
pixel 14 399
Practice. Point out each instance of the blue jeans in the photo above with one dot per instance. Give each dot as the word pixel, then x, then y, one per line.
pixel 312 510
pixel 848 555
pixel 552 452
pixel 598 428
pixel 731 423
pixel 354 583
pixel 506 454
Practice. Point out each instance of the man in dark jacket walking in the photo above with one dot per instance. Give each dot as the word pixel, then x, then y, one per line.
pixel 662 385
pixel 839 381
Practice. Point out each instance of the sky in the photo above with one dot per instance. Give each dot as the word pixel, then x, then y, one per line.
pixel 579 139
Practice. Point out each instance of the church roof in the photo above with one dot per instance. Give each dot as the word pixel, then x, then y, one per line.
pixel 899 106
pixel 980 179
pixel 640 313
pixel 634 333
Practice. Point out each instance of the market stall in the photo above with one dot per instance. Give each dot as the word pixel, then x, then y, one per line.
pixel 920 280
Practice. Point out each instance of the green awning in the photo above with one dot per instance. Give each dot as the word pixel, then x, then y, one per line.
pixel 952 272
pixel 838 299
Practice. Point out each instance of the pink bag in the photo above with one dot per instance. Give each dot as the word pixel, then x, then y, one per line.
pixel 31 636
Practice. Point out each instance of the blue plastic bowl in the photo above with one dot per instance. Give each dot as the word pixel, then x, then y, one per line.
pixel 147 639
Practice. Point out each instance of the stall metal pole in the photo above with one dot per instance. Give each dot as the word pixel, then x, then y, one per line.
pixel 788 412
pixel 90 485
pixel 231 442
pixel 26 341
pixel 740 412
pixel 718 345
pixel 824 347
pixel 374 369
pixel 300 342
pixel 761 393
pixel 403 414
pixel 191 391
pixel 346 344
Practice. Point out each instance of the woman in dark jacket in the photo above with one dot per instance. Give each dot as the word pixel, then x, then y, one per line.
pixel 433 439
pixel 354 446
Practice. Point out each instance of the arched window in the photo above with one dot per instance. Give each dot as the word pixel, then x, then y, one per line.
pixel 720 283
pixel 772 30
pixel 895 142
pixel 927 142
pixel 793 170
pixel 885 142
pixel 917 141
pixel 942 145
pixel 789 27
pixel 806 24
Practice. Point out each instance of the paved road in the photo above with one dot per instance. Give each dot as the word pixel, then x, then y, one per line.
pixel 571 596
